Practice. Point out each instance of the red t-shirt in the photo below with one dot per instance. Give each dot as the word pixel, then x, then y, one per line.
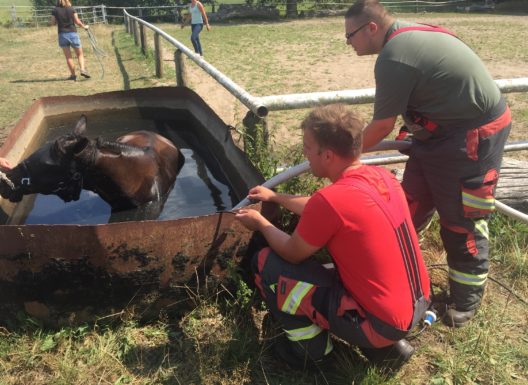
pixel 364 245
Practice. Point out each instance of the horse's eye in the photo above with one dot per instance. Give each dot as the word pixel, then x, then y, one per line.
pixel 76 176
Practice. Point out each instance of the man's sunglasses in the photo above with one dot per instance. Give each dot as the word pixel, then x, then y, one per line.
pixel 350 34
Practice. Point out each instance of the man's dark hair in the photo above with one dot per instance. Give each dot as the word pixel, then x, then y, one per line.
pixel 367 10
pixel 336 128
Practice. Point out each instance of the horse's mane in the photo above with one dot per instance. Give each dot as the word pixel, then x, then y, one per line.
pixel 118 147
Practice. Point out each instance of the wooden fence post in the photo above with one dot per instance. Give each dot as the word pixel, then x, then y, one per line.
pixel 134 24
pixel 178 65
pixel 158 54
pixel 14 15
pixel 142 39
pixel 177 17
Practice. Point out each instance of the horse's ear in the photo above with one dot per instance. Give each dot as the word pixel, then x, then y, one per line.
pixel 80 127
pixel 70 144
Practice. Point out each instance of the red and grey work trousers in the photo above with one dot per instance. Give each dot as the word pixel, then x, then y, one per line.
pixel 310 301
pixel 456 173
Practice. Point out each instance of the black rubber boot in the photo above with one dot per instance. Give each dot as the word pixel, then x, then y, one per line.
pixel 284 351
pixel 458 318
pixel 390 357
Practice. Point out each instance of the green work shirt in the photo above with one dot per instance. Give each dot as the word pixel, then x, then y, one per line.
pixel 434 74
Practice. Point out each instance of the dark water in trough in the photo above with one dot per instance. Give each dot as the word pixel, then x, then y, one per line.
pixel 201 187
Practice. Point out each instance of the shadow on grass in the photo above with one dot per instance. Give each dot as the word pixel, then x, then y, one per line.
pixel 41 80
pixel 119 60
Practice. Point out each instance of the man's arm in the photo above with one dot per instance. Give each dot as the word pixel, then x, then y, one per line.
pixel 294 203
pixel 291 248
pixel 376 131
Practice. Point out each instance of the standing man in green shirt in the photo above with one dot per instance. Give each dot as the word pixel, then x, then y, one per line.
pixel 459 124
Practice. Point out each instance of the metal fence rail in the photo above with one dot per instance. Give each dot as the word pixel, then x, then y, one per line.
pixel 27 16
pixel 22 16
pixel 260 106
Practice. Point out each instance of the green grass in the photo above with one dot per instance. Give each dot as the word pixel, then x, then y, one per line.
pixel 5 9
pixel 8 3
pixel 224 336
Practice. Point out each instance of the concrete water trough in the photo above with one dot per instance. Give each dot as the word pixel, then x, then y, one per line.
pixel 70 269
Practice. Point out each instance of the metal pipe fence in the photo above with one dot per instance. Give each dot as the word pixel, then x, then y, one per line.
pixel 21 16
pixel 385 159
pixel 260 106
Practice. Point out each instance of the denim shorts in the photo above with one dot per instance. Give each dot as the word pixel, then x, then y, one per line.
pixel 69 39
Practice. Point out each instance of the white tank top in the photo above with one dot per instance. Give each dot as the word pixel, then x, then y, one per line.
pixel 196 15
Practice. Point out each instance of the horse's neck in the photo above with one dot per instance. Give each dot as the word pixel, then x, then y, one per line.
pixel 113 173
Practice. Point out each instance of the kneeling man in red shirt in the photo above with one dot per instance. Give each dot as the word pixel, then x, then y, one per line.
pixel 379 288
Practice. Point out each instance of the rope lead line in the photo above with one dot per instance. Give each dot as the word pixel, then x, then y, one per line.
pixel 7 180
pixel 98 52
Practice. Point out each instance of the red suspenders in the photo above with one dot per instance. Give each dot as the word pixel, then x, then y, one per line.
pixel 421 27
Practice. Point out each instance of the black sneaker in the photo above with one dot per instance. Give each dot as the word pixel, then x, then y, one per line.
pixel 85 74
pixel 72 77
pixel 390 357
pixel 457 318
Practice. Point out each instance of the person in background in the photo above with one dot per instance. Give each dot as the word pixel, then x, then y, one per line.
pixel 379 288
pixel 198 19
pixel 459 124
pixel 66 18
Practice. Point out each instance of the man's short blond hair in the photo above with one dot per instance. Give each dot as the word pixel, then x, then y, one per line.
pixel 336 128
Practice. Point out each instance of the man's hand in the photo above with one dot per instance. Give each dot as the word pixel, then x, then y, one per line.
pixel 261 193
pixel 4 164
pixel 251 219
pixel 6 186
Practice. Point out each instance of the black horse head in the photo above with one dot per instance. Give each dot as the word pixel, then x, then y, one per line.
pixel 52 169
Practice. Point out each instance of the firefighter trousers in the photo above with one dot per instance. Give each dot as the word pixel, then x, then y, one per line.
pixel 310 301
pixel 456 175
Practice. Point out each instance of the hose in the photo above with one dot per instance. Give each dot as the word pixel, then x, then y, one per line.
pixel 7 180
pixel 305 166
pixel 99 53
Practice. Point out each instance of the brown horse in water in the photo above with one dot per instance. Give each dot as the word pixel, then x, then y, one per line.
pixel 136 170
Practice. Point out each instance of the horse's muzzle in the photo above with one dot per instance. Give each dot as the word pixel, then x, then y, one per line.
pixel 14 195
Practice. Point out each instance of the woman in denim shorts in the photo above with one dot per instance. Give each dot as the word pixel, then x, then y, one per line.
pixel 65 17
